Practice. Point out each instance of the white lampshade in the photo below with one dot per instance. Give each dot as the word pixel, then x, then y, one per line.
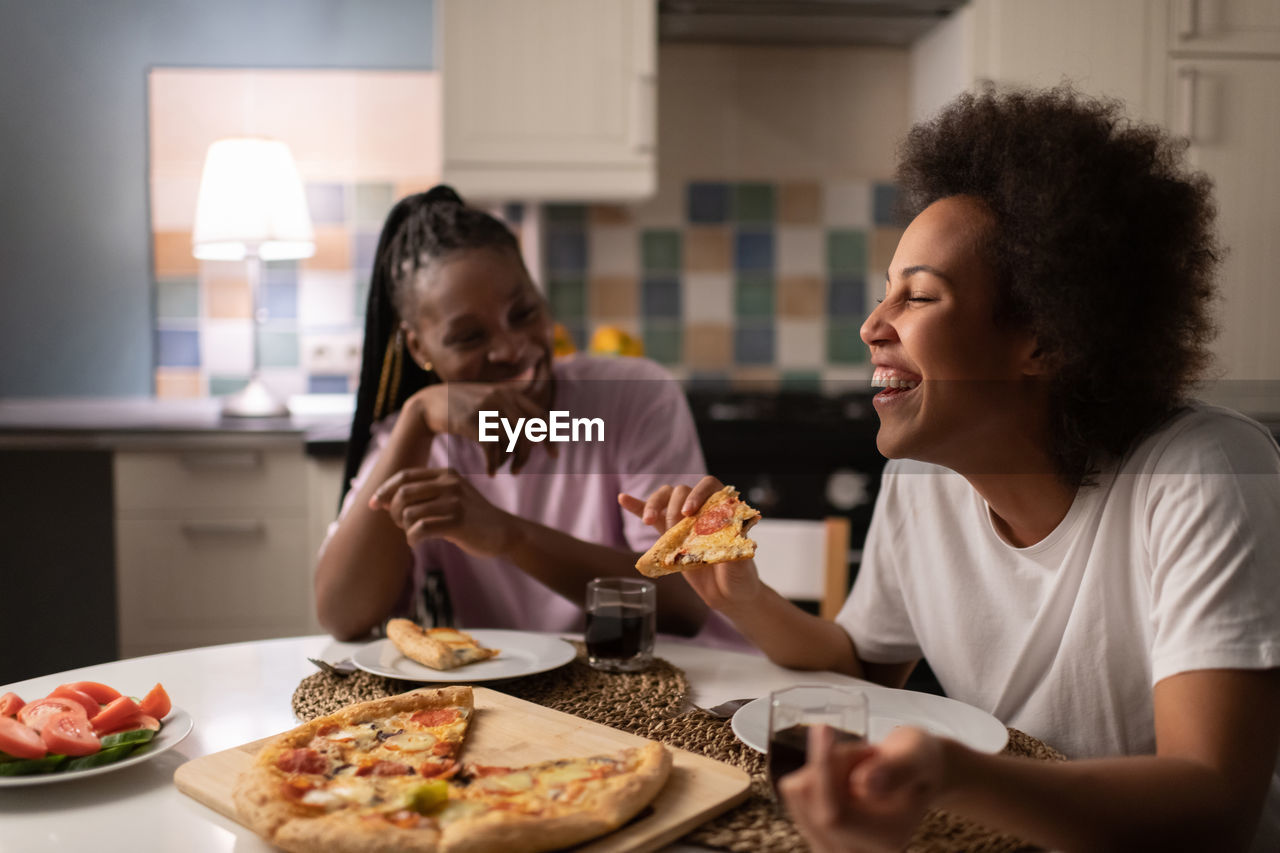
pixel 251 202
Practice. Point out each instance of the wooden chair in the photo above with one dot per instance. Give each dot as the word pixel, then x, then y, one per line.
pixel 805 560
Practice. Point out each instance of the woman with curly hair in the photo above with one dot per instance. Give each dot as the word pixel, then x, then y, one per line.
pixel 1073 543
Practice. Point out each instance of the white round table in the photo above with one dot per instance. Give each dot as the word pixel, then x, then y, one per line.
pixel 235 694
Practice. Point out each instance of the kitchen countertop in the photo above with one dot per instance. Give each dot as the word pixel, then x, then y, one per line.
pixel 320 420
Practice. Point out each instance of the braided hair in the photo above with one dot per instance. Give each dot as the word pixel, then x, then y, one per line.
pixel 420 229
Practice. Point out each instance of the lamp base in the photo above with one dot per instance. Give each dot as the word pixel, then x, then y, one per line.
pixel 254 401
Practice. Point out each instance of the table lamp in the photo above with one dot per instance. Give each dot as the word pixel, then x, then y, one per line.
pixel 252 207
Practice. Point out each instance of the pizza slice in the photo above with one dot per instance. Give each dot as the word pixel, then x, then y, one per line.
pixel 717 533
pixel 438 648
pixel 552 804
pixel 312 787
pixel 383 775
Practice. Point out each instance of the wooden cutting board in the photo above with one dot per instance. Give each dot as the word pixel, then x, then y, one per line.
pixel 512 732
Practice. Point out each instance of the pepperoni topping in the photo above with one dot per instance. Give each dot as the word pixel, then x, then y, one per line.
pixel 444 747
pixel 384 768
pixel 325 731
pixel 437 717
pixel 302 761
pixel 714 519
pixel 438 769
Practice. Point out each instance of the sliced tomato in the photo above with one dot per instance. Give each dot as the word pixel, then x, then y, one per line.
pixel 35 713
pixel 137 721
pixel 156 703
pixel 101 693
pixel 70 734
pixel 84 700
pixel 9 704
pixel 115 714
pixel 19 740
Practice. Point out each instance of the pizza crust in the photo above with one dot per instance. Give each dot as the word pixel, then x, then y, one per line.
pixel 437 648
pixel 683 547
pixel 611 805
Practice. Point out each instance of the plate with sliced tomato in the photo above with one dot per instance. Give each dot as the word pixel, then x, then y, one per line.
pixel 84 728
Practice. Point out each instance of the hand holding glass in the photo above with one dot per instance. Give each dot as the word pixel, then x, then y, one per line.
pixel 794 710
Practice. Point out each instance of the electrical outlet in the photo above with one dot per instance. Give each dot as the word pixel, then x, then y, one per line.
pixel 333 354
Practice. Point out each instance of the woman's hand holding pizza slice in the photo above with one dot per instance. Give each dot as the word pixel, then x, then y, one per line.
pixel 704 537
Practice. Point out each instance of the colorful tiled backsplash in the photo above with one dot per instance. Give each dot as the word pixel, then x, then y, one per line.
pixel 756 282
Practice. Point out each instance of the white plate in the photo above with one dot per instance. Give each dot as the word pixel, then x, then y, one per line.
pixel 888 709
pixel 177 725
pixel 522 654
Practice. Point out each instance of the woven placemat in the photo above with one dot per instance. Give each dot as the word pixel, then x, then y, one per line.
pixel 654 704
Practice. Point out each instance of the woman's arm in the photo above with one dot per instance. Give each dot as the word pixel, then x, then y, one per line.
pixel 789 636
pixel 1217 733
pixel 366 563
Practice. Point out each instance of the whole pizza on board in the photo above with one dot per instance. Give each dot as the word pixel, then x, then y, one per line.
pixel 385 775
pixel 716 533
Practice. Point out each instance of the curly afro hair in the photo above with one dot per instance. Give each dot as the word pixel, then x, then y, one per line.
pixel 1104 248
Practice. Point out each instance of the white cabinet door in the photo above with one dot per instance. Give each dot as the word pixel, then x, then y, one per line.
pixel 211 545
pixel 1226 26
pixel 553 99
pixel 201 581
pixel 1230 110
pixel 1102 47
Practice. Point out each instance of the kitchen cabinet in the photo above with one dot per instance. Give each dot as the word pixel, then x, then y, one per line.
pixel 211 544
pixel 549 100
pixel 1207 70
pixel 1103 47
pixel 1226 26
pixel 1228 109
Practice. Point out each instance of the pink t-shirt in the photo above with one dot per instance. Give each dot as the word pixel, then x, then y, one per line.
pixel 649 440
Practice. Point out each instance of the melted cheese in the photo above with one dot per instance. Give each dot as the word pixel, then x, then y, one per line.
pixel 513 783
pixel 410 741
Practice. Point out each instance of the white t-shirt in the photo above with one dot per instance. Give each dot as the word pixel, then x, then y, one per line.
pixel 1170 563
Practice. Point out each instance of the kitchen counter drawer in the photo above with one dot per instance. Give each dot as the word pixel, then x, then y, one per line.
pixel 161 483
pixel 199 581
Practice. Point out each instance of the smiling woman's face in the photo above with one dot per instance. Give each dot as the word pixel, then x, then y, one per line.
pixel 961 379
pixel 479 318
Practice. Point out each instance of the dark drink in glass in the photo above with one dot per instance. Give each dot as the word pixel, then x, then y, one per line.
pixel 620 631
pixel 795 710
pixel 621 623
pixel 789 747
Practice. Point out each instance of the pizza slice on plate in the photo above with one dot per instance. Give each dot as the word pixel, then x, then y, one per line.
pixel 384 776
pixel 438 648
pixel 717 533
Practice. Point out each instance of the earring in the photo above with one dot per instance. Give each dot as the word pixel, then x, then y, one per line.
pixel 426 367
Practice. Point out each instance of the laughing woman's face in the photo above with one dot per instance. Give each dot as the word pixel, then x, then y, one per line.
pixel 480 319
pixel 954 383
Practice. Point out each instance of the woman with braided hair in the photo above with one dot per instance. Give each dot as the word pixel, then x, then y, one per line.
pixel 454 327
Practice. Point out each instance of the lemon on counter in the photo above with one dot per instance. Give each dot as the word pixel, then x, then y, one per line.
pixel 610 340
